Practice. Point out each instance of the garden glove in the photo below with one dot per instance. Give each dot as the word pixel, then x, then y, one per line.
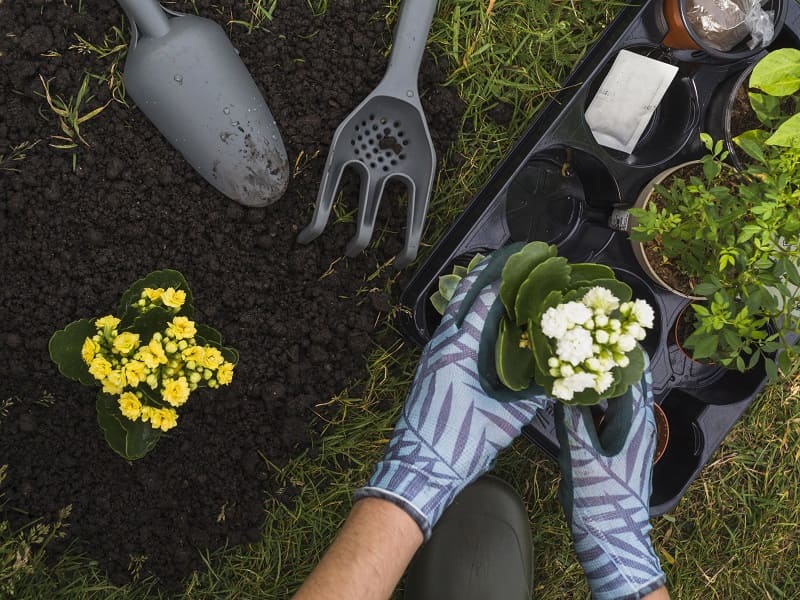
pixel 450 430
pixel 605 490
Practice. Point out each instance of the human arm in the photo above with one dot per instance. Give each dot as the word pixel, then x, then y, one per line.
pixel 368 556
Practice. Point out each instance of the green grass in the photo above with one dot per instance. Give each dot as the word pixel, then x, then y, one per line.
pixel 734 534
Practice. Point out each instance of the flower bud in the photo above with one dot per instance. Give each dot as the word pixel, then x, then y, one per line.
pixel 207 374
pixel 601 320
pixel 553 362
pixel 152 381
pixel 171 347
pixel 182 345
pixel 158 336
pixel 567 370
pixel 195 377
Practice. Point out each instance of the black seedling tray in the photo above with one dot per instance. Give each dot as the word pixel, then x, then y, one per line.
pixel 558 185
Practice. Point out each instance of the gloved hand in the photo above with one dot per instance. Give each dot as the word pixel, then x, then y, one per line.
pixel 605 491
pixel 450 430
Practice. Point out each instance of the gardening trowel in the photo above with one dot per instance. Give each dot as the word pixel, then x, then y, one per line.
pixel 187 78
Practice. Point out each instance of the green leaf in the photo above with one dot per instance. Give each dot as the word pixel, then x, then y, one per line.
pixel 475 261
pixel 788 134
pixel 157 279
pixel 65 350
pixel 209 334
pixel 750 142
pixel 146 324
pixel 460 270
pixel 704 289
pixel 552 274
pixel 448 285
pixel 229 354
pixel 771 369
pixel 766 107
pixel 778 73
pixel 702 345
pixel 590 272
pixel 587 397
pixel 514 364
pixel 541 352
pixel 439 302
pixel 130 439
pixel 630 374
pixel 517 269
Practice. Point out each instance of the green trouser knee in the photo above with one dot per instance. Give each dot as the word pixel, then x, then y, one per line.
pixel 481 549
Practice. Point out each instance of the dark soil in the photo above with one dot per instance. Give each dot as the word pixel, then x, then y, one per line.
pixel 72 242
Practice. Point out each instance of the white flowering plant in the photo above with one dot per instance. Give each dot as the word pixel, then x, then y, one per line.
pixel 573 329
pixel 146 362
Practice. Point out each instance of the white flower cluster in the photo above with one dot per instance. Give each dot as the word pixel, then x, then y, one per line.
pixel 592 337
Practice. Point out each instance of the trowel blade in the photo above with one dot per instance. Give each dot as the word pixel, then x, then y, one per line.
pixel 195 89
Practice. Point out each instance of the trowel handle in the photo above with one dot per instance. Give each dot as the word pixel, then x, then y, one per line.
pixel 410 38
pixel 149 17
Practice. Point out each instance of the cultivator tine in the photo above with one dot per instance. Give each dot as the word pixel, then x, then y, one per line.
pixel 325 197
pixel 369 200
pixel 418 198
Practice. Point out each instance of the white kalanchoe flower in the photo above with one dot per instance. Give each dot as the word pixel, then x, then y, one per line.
pixel 601 320
pixel 626 343
pixel 601 336
pixel 636 331
pixel 601 298
pixel 643 313
pixel 623 361
pixel 580 381
pixel 603 382
pixel 575 346
pixel 576 313
pixel 561 391
pixel 566 370
pixel 555 322
pixel 593 364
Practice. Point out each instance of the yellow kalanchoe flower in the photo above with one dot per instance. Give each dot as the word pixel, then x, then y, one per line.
pixel 225 373
pixel 135 372
pixel 152 294
pixel 99 368
pixel 125 343
pixel 88 350
pixel 114 382
pixel 109 321
pixel 173 298
pixel 181 328
pixel 175 391
pixel 193 353
pixel 212 358
pixel 129 406
pixel 169 419
pixel 157 350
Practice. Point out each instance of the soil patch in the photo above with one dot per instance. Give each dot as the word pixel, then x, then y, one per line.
pixel 301 317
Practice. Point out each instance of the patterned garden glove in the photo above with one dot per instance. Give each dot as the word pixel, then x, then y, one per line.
pixel 605 490
pixel 450 431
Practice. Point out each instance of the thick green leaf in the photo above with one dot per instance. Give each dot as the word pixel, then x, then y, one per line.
pixel 157 279
pixel 209 334
pixel 552 274
pixel 460 270
pixel 630 375
pixel 230 354
pixel 514 364
pixel 491 272
pixel 439 302
pixel 65 350
pixel 778 73
pixel 448 285
pixel 475 261
pixel 705 289
pixel 590 272
pixel 788 134
pixel 587 397
pixel 766 107
pixel 146 324
pixel 130 439
pixel 542 350
pixel 517 269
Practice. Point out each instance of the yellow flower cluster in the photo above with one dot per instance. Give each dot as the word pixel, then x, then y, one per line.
pixel 171 363
pixel 169 298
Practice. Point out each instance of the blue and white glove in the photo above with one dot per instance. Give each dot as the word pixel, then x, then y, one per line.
pixel 450 430
pixel 605 491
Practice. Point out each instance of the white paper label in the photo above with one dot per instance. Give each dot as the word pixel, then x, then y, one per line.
pixel 624 104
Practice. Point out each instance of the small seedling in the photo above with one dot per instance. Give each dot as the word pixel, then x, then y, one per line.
pixel 17 153
pixel 69 115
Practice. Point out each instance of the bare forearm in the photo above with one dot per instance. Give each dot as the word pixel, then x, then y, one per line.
pixel 660 594
pixel 368 557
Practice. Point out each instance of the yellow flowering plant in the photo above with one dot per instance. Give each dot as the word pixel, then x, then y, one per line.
pixel 146 362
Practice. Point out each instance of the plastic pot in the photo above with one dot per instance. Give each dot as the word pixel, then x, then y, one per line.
pixel 720 109
pixel 681 34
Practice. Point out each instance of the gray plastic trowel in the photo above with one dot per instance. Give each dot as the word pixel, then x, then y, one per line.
pixel 187 78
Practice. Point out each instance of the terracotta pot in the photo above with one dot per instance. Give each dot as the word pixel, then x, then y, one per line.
pixel 662 429
pixel 681 35
pixel 662 432
pixel 638 247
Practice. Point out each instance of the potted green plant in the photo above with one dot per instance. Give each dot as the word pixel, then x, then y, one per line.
pixel 729 237
pixel 572 329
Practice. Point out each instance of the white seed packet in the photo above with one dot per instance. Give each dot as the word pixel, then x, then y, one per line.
pixel 624 104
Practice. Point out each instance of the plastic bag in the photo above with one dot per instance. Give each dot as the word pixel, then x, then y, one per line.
pixel 725 23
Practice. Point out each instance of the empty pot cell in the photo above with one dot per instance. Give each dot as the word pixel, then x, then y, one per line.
pixel 733 386
pixel 641 290
pixel 555 192
pixel 628 104
pixel 684 448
